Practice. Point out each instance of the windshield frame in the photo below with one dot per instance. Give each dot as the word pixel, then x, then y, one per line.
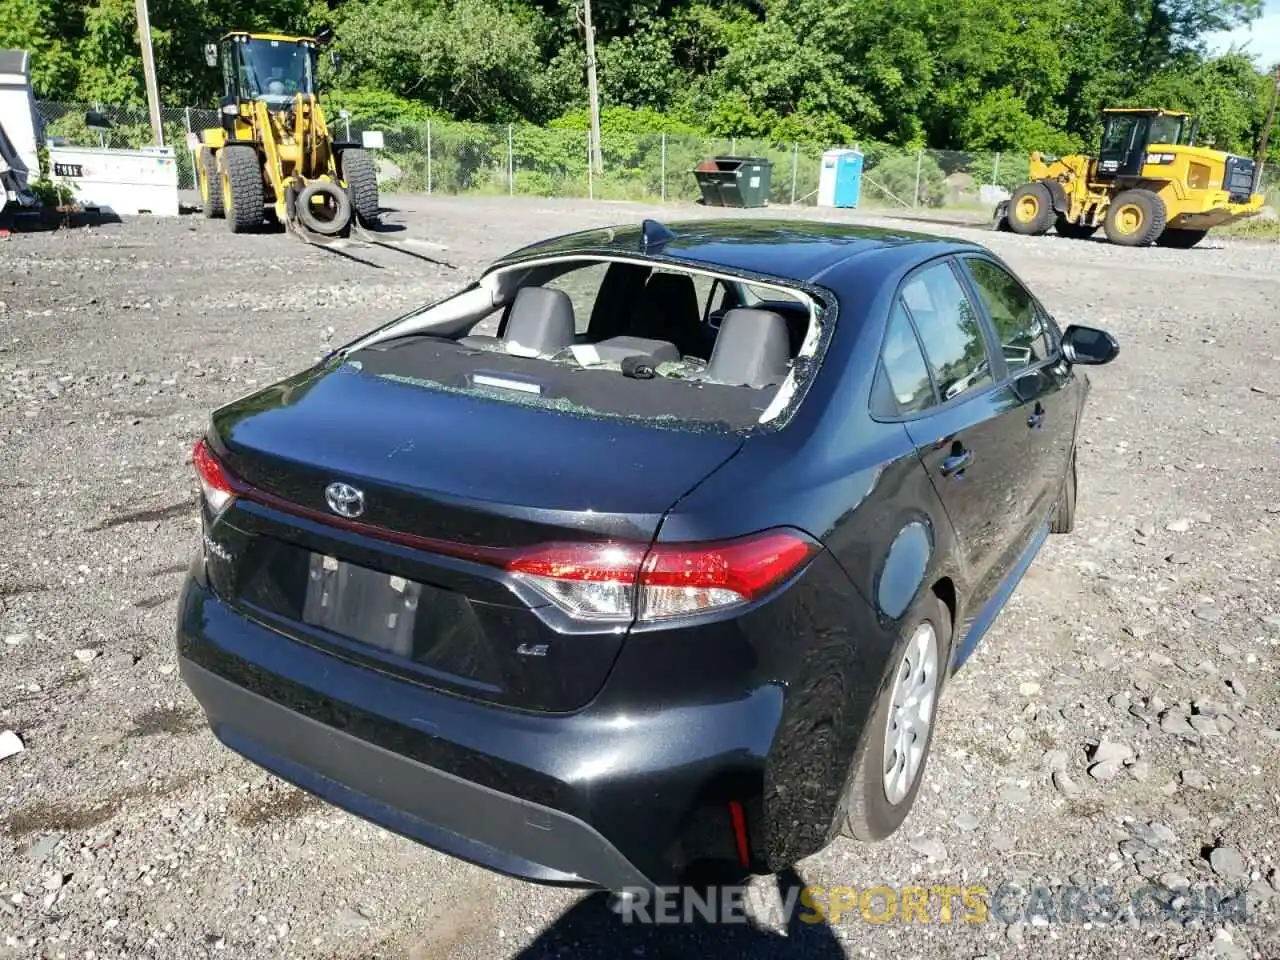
pixel 254 60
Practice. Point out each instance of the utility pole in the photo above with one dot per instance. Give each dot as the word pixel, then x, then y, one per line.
pixel 1266 130
pixel 593 89
pixel 149 72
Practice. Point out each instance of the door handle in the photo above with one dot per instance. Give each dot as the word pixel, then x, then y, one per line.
pixel 956 463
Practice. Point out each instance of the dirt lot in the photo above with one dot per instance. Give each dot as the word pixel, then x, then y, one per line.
pixel 125 830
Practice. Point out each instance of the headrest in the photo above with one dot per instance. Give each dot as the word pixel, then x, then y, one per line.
pixel 671 285
pixel 668 310
pixel 540 322
pixel 752 349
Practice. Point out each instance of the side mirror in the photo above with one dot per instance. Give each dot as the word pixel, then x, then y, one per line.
pixel 1089 345
pixel 1027 386
pixel 211 54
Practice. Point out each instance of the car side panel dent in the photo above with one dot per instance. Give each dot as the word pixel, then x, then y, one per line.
pixel 902 574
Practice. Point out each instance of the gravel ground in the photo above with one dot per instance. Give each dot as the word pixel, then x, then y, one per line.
pixel 1117 727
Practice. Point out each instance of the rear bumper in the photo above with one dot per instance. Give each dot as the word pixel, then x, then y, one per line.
pixel 461 818
pixel 608 797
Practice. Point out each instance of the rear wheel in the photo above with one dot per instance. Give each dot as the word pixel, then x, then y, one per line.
pixel 1030 211
pixel 242 188
pixel 1135 218
pixel 1074 231
pixel 891 770
pixel 210 188
pixel 362 185
pixel 1180 239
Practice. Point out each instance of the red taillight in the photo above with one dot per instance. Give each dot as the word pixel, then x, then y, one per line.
pixel 595 581
pixel 679 579
pixel 214 481
pixel 622 581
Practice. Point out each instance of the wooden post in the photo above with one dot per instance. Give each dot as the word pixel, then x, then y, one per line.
pixel 664 168
pixel 149 71
pixel 593 89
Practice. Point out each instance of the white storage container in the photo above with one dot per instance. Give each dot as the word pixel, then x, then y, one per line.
pixel 123 182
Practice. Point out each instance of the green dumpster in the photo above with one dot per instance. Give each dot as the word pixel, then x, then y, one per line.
pixel 734 181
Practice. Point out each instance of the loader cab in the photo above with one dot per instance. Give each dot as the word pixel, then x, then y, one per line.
pixel 267 67
pixel 1127 135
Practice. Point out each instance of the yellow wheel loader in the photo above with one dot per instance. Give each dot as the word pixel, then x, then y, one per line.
pixel 273 150
pixel 1149 184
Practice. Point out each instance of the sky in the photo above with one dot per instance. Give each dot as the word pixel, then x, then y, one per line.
pixel 1261 38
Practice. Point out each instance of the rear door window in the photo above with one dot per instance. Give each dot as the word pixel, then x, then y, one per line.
pixel 1017 319
pixel 949 329
pixel 907 387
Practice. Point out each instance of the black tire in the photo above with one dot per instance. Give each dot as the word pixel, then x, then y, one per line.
pixel 1179 238
pixel 210 185
pixel 340 220
pixel 1135 218
pixel 870 815
pixel 1030 210
pixel 242 185
pixel 1064 518
pixel 1074 231
pixel 362 185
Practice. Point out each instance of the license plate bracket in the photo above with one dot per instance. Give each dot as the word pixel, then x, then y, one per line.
pixel 366 605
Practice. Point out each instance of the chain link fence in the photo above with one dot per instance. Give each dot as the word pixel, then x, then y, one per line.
pixel 520 160
pixel 457 158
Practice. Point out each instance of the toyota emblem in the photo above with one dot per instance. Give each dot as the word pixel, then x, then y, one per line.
pixel 344 500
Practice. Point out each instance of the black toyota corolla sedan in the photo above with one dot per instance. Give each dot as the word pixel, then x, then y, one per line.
pixel 644 557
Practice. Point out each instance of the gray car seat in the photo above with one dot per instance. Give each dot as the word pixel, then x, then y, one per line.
pixel 752 349
pixel 539 322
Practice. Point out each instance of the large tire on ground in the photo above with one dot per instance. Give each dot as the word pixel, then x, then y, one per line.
pixel 1030 211
pixel 891 769
pixel 1179 238
pixel 362 185
pixel 242 188
pixel 1135 218
pixel 337 208
pixel 1074 231
pixel 210 185
pixel 1064 517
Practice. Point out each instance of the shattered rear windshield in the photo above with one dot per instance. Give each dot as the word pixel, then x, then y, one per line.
pixel 613 339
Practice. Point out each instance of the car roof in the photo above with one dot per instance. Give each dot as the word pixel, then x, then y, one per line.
pixel 796 250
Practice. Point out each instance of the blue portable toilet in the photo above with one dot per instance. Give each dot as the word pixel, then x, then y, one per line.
pixel 840 182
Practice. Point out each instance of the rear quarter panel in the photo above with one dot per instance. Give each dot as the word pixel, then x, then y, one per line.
pixel 855 484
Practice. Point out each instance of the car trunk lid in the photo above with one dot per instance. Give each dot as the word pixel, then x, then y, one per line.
pixel 447 483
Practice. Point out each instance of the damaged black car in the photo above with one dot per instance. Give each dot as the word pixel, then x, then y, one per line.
pixel 644 558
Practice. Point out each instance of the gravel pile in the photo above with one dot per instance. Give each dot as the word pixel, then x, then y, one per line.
pixel 1119 728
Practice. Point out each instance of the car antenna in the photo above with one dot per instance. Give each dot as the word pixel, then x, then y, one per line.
pixel 654 235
